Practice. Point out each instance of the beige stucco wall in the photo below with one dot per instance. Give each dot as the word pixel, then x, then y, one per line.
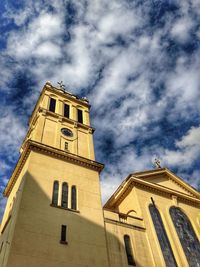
pixel 45 126
pixel 163 202
pixel 11 215
pixel 116 228
pixel 36 239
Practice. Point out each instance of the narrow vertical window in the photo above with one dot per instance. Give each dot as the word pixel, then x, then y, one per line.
pixel 63 238
pixel 52 105
pixel 55 193
pixel 162 237
pixel 73 202
pixel 64 202
pixel 66 146
pixel 187 236
pixel 66 110
pixel 129 252
pixel 80 115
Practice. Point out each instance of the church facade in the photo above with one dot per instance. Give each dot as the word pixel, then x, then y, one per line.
pixel 54 216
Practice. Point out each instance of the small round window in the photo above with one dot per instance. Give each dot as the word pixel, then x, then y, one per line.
pixel 67 132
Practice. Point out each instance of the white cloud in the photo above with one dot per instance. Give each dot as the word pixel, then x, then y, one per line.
pixel 181 29
pixel 191 139
pixel 188 149
pixel 22 44
pixel 47 50
pixel 3 167
pixel 183 85
pixel 12 134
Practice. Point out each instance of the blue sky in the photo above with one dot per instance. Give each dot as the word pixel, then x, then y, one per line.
pixel 138 62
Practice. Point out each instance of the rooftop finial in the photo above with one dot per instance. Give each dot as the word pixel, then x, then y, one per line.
pixel 61 84
pixel 157 164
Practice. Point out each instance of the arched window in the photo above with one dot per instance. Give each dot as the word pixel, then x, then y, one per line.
pixel 162 237
pixel 64 201
pixel 73 199
pixel 187 236
pixel 55 193
pixel 129 252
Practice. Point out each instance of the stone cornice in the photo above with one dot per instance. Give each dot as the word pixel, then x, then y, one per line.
pixel 123 224
pixel 164 190
pixel 67 95
pixel 64 119
pixel 59 117
pixel 53 152
pixel 128 184
pixel 153 173
pixel 49 87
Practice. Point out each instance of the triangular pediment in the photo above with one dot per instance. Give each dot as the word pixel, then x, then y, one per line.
pixel 167 179
pixel 159 179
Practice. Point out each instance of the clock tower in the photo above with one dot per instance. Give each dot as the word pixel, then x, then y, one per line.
pixel 53 215
pixel 61 120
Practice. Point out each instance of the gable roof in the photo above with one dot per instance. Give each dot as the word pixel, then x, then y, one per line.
pixel 161 179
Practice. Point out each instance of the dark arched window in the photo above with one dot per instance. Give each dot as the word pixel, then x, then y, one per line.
pixel 129 252
pixel 73 200
pixel 162 237
pixel 55 193
pixel 64 201
pixel 187 236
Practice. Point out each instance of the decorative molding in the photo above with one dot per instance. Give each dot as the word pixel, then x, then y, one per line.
pixel 61 118
pixel 125 189
pixel 51 151
pixel 124 224
pixel 170 175
pixel 141 179
pixel 175 200
pixel 62 208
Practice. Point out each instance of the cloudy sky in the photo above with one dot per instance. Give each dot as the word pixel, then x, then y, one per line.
pixel 138 62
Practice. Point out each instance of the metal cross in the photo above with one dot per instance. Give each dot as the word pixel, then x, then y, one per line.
pixel 62 86
pixel 157 163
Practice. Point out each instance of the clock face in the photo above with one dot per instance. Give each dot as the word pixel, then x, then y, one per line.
pixel 67 132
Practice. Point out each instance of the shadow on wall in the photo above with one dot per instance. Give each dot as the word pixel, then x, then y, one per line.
pixel 37 235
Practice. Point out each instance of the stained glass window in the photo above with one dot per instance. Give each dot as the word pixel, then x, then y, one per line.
pixel 162 237
pixel 187 236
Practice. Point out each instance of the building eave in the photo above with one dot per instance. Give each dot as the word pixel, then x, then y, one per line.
pixel 135 179
pixel 53 152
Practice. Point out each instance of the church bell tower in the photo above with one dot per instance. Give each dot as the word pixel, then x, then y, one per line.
pixel 53 215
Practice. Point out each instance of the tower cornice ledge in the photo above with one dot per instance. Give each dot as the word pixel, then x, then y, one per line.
pixel 48 150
